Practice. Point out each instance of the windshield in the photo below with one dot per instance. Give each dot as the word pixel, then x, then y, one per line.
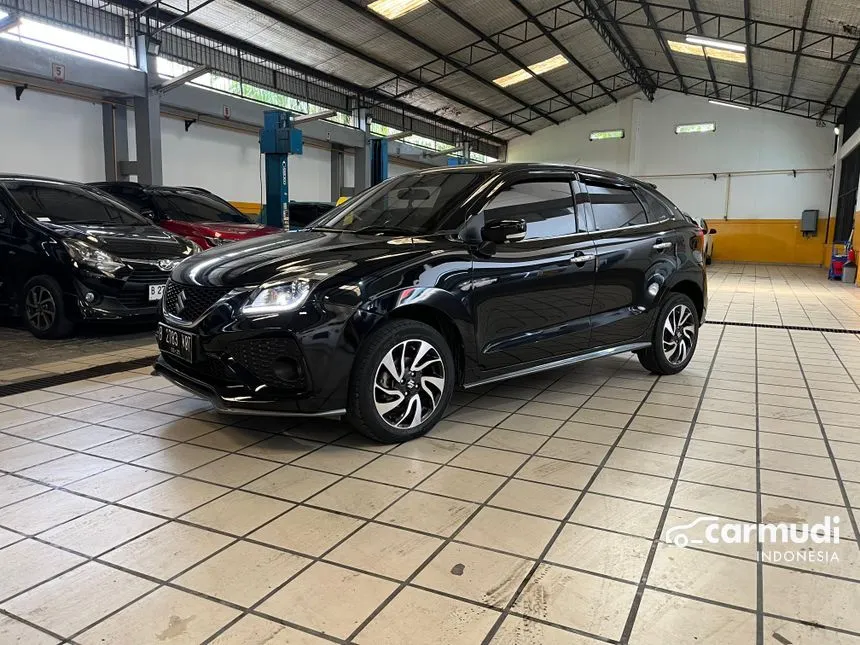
pixel 195 207
pixel 417 203
pixel 71 204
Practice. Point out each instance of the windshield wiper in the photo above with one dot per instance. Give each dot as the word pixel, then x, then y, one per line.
pixel 385 229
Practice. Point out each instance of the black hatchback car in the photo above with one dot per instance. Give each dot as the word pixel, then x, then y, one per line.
pixel 69 252
pixel 444 278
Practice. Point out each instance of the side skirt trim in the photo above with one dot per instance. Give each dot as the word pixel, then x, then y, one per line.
pixel 564 362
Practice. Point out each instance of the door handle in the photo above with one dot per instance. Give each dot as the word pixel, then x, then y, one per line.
pixel 662 245
pixel 582 258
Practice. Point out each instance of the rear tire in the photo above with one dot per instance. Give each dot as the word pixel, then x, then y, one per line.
pixel 401 382
pixel 674 339
pixel 43 308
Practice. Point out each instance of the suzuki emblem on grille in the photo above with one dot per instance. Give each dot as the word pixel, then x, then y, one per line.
pixel 180 302
pixel 167 265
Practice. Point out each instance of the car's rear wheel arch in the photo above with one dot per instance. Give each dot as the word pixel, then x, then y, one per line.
pixel 693 292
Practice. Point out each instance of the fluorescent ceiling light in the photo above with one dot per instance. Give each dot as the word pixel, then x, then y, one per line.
pixel 601 135
pixel 521 75
pixel 392 9
pixel 716 44
pixel 710 52
pixel 731 105
pixel 695 128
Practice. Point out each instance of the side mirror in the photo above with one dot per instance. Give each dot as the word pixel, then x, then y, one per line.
pixel 504 230
pixel 712 231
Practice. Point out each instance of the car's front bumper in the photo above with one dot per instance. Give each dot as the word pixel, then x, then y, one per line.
pixel 236 399
pixel 295 363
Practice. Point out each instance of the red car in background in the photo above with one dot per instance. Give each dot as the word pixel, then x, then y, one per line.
pixel 193 213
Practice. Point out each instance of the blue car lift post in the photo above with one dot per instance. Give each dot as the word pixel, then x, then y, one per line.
pixel 278 140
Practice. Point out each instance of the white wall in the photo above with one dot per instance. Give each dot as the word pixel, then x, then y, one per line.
pixel 753 140
pixel 56 136
pixel 45 134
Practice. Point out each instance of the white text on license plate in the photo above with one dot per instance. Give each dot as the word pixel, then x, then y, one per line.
pixel 156 291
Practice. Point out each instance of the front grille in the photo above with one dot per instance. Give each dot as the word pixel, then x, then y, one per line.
pixel 145 249
pixel 147 274
pixel 135 298
pixel 258 356
pixel 190 302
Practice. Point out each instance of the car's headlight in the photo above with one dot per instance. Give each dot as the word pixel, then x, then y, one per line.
pixel 195 247
pixel 93 257
pixel 215 241
pixel 286 296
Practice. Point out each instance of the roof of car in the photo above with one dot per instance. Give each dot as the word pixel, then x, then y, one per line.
pixel 506 167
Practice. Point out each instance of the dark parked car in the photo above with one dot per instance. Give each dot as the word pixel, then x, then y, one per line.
pixel 193 213
pixel 445 278
pixel 69 252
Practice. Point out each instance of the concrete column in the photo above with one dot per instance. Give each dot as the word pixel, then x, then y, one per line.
pixel 362 155
pixel 147 119
pixel 336 172
pixel 115 131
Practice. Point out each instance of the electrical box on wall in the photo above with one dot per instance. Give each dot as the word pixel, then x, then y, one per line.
pixel 809 223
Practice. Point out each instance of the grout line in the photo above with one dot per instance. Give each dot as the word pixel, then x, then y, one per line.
pixel 649 561
pixel 480 507
pixel 759 615
pixel 845 499
pixel 542 557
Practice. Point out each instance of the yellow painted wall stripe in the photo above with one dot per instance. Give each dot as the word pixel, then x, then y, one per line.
pixel 776 241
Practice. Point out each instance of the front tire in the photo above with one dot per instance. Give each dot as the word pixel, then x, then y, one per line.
pixel 44 309
pixel 401 382
pixel 676 333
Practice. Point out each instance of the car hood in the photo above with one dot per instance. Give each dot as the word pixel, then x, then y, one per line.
pixel 134 242
pixel 231 231
pixel 286 255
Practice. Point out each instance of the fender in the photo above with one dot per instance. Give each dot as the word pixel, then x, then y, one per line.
pixel 432 305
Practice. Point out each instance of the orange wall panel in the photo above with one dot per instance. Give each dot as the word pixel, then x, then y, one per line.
pixel 770 240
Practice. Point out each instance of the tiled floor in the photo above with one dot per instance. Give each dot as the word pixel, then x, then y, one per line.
pixel 25 357
pixel 535 514
pixel 781 295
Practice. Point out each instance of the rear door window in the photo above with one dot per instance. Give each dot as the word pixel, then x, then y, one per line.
pixel 614 207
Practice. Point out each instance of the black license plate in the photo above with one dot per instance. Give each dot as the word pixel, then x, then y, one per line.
pixel 178 343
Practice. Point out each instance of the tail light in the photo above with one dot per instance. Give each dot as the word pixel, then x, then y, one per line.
pixel 698 242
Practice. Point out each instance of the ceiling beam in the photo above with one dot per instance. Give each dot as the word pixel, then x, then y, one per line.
pixel 412 40
pixel 309 31
pixel 803 23
pixel 478 51
pixel 762 99
pixel 137 7
pixel 747 14
pixel 841 80
pixel 561 47
pixel 504 52
pixel 619 45
pixel 763 34
pixel 664 47
pixel 616 83
pixel 710 65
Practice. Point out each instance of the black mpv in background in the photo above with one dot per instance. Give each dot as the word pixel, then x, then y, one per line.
pixel 69 252
pixel 446 278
